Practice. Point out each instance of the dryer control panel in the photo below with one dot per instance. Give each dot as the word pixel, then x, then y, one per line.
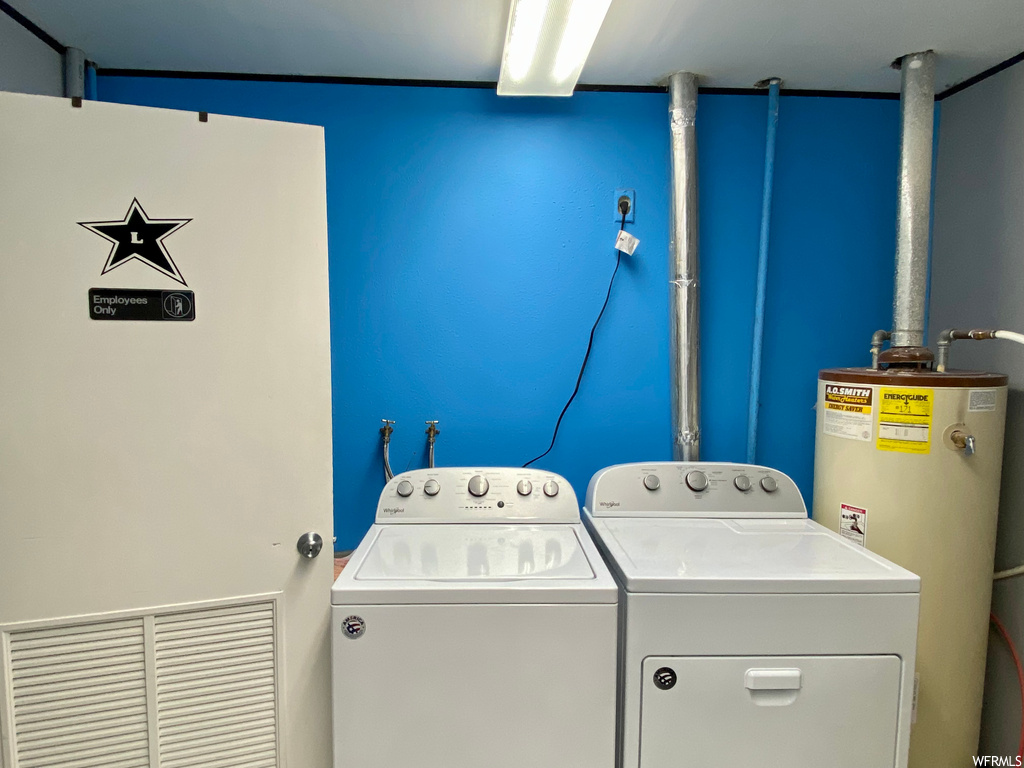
pixel 693 489
pixel 478 495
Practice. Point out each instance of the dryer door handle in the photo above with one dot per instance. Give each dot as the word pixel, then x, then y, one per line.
pixel 772 679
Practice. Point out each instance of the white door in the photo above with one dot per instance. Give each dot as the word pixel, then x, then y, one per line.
pixel 165 439
pixel 769 712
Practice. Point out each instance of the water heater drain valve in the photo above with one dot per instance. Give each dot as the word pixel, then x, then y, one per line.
pixel 963 442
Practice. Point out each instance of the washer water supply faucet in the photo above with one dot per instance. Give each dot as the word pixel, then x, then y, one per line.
pixel 432 433
pixel 385 433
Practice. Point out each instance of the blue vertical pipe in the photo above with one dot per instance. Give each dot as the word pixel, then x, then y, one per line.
pixel 931 219
pixel 754 403
pixel 90 81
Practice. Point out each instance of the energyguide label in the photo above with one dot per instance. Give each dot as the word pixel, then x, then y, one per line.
pixel 905 419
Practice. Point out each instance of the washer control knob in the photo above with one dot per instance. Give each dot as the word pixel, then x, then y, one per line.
pixel 770 484
pixel 550 488
pixel 405 488
pixel 652 482
pixel 742 483
pixel 431 487
pixel 696 480
pixel 524 487
pixel 478 485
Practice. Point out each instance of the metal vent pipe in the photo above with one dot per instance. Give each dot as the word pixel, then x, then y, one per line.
pixel 684 350
pixel 74 73
pixel 917 120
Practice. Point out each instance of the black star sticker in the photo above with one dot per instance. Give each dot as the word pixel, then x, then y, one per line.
pixel 139 237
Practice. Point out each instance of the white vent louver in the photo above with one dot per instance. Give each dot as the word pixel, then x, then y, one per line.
pixel 79 696
pixel 82 695
pixel 216 688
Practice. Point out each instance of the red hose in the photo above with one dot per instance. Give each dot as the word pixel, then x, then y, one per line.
pixel 1020 676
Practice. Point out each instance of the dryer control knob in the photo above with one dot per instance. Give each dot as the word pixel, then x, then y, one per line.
pixel 478 485
pixel 524 487
pixel 742 483
pixel 405 488
pixel 696 480
pixel 431 487
pixel 550 488
pixel 770 484
pixel 652 482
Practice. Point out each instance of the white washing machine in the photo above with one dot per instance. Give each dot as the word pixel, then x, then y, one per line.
pixel 751 636
pixel 475 627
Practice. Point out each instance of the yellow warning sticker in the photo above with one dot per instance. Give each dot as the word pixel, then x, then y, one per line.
pixel 905 419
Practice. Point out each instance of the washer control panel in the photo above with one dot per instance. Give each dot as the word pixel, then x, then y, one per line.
pixel 477 494
pixel 693 489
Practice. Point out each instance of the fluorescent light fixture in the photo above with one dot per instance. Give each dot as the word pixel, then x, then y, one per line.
pixel 547 44
pixel 527 21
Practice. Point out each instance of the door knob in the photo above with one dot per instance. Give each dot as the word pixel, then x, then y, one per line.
pixel 310 545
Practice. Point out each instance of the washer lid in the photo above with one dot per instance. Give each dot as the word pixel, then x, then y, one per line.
pixel 743 556
pixel 470 563
pixel 475 553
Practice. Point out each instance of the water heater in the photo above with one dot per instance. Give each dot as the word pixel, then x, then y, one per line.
pixel 907 463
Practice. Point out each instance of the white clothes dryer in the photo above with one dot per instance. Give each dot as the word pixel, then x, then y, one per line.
pixel 751 636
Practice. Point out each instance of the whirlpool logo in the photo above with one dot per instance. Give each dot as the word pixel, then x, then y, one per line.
pixel 609 504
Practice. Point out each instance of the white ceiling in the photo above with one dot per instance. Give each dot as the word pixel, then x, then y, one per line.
pixel 818 44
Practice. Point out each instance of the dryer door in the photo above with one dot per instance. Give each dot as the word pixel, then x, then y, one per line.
pixel 770 712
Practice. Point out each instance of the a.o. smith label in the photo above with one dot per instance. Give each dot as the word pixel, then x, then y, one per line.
pixel 848 411
pixel 137 304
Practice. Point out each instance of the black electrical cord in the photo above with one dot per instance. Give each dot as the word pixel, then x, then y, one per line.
pixel 586 357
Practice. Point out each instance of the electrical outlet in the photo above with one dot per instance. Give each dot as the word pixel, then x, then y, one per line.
pixel 631 215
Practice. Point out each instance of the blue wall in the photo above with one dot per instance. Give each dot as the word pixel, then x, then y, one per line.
pixel 471 245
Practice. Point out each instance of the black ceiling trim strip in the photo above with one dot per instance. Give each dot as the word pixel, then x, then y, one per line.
pixel 886 95
pixel 32 27
pixel 593 87
pixel 981 76
pixel 267 78
pixel 481 84
pixel 271 78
